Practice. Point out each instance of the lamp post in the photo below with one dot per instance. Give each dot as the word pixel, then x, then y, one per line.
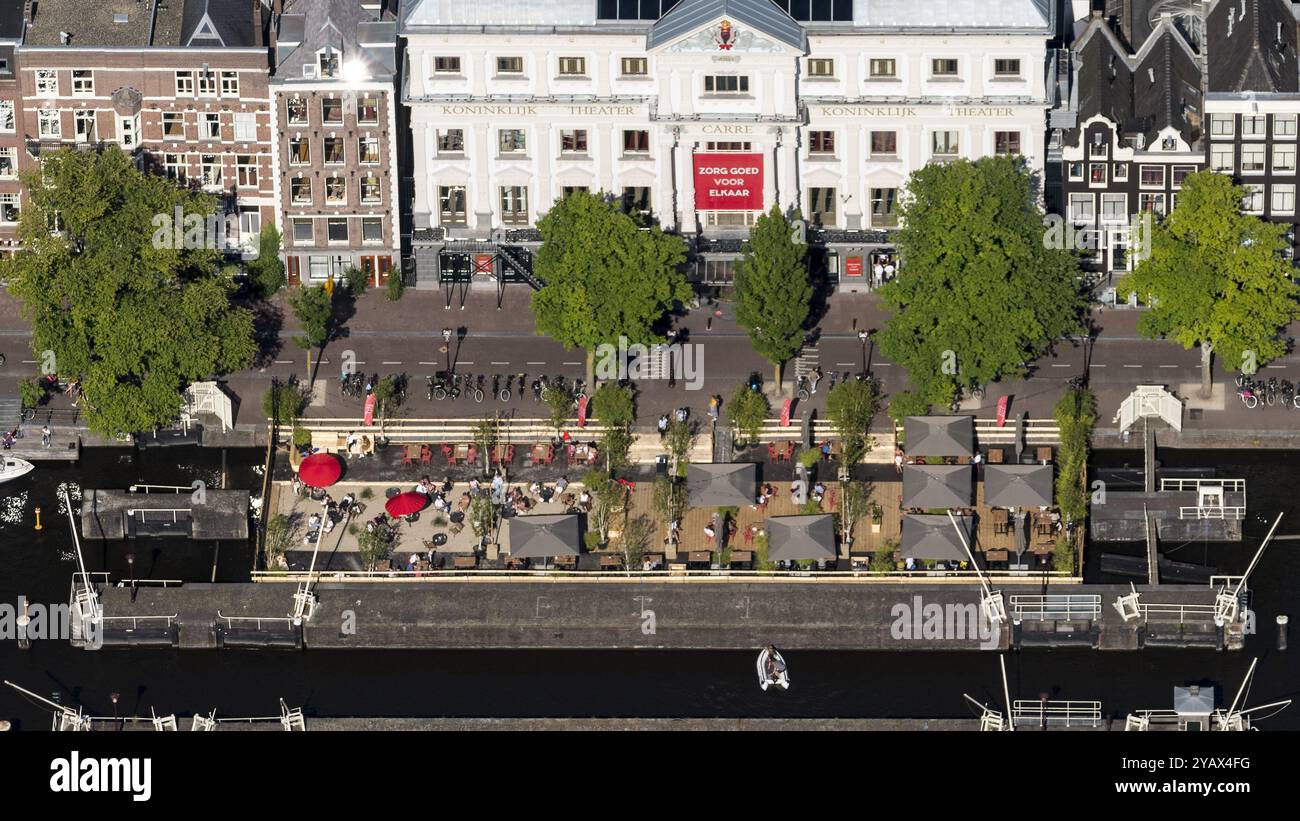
pixel 130 563
pixel 863 336
pixel 446 346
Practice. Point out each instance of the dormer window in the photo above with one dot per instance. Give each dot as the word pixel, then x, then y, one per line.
pixel 1169 144
pixel 327 63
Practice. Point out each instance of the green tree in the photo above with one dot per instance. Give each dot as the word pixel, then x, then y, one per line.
pixel 395 285
pixel 284 402
pixel 606 277
pixel 1216 278
pixel 313 308
pixel 127 310
pixel 613 404
pixel 747 411
pixel 978 294
pixel 773 294
pixel 1075 415
pixel 279 536
pixel 559 401
pixel 267 270
pixel 372 547
pixel 851 406
pixel 679 439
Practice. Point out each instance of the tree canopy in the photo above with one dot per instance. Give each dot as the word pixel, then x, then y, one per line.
pixel 1216 277
pixel 773 294
pixel 606 277
pixel 126 309
pixel 978 293
pixel 851 405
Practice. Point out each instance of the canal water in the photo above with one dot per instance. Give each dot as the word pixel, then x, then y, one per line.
pixel 39 564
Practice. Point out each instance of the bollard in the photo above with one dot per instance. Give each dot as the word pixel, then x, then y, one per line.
pixel 38 518
pixel 1281 632
pixel 24 643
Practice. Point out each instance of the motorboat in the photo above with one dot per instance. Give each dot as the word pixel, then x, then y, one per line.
pixel 11 467
pixel 772 670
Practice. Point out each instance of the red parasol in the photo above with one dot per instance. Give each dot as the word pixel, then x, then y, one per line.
pixel 404 504
pixel 320 470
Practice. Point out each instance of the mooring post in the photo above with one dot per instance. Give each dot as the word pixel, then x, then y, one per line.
pixel 1281 632
pixel 24 643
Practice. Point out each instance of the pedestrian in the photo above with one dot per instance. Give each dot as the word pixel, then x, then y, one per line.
pixel 878 272
pixel 898 460
pixel 714 401
pixel 45 435
pixel 663 424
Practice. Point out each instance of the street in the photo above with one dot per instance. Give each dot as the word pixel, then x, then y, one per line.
pixel 406 337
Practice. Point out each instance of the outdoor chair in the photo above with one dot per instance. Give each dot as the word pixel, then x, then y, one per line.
pixel 771 452
pixel 472 456
pixel 406 456
pixel 426 454
pixel 448 454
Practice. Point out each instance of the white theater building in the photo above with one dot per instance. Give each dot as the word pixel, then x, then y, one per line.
pixel 703 113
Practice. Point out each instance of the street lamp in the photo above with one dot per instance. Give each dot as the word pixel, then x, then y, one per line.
pixel 863 335
pixel 446 346
pixel 130 563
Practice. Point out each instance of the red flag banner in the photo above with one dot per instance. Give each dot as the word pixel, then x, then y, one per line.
pixel 729 182
pixel 369 418
pixel 1002 410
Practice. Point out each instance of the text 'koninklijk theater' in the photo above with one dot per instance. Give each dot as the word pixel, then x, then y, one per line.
pixel 702 114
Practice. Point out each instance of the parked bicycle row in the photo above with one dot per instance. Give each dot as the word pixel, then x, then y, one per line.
pixel 445 385
pixel 1266 393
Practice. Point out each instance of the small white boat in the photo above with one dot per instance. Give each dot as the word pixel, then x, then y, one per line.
pixel 11 467
pixel 772 670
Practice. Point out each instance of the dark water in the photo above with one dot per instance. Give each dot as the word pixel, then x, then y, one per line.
pixel 565 683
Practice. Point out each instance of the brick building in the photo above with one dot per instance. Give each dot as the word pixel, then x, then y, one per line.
pixel 13 158
pixel 334 91
pixel 181 84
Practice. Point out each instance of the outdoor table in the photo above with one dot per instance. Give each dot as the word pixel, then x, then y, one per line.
pixel 995 456
pixel 614 562
pixel 465 562
pixel 462 453
pixel 1044 455
pixel 584 453
pixel 995 555
pixel 1001 520
pixel 541 452
pixel 566 562
pixel 742 556
pixel 700 556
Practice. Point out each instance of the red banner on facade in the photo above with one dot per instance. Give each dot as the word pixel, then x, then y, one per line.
pixel 369 418
pixel 729 182
pixel 853 267
pixel 1002 410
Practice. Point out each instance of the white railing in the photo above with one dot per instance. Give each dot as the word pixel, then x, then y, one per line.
pixel 1218 512
pixel 1184 612
pixel 256 620
pixel 1056 713
pixel 1228 485
pixel 1064 607
pixel 135 620
pixel 719 576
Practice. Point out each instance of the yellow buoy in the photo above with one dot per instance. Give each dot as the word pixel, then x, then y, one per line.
pixel 38 518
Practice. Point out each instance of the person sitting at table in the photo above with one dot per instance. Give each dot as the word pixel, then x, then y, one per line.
pixel 351 441
pixel 584 500
pixel 567 500
pixel 561 484
pixel 535 489
pixel 760 503
pixel 446 485
pixel 910 564
pixel 819 490
pixel 424 486
pixel 546 494
pixel 475 485
pixel 463 504
pixel 826 449
pixel 440 503
pixel 709 532
pixel 313 527
pixel 732 528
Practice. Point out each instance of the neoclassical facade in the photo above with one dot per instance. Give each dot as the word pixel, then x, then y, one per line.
pixel 703 113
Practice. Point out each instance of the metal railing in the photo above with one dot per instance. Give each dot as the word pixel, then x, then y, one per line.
pixel 135 620
pixel 1184 612
pixel 1066 607
pixel 719 576
pixel 256 620
pixel 1056 713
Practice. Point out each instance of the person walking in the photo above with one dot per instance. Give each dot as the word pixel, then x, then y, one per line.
pixel 45 435
pixel 714 403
